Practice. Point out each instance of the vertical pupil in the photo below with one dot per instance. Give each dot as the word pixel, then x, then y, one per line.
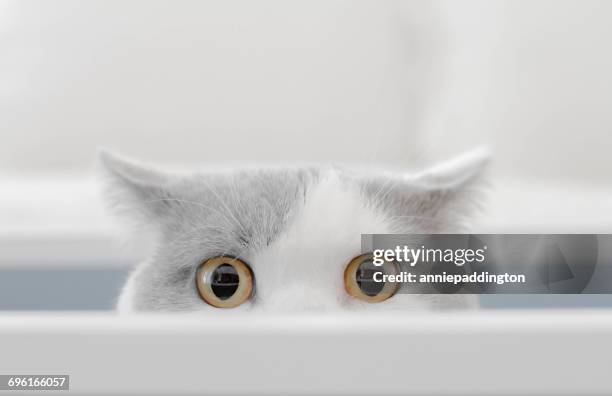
pixel 224 281
pixel 365 278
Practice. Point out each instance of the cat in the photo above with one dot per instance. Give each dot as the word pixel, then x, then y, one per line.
pixel 294 229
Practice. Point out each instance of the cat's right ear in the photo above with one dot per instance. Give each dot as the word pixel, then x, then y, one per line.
pixel 135 190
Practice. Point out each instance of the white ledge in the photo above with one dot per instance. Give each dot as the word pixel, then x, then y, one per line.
pixel 478 353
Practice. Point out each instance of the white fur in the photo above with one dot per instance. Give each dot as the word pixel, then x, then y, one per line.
pixel 303 269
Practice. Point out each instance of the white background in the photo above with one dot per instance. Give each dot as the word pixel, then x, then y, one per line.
pixel 324 81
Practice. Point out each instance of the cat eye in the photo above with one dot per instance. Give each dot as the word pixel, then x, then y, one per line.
pixel 224 282
pixel 359 279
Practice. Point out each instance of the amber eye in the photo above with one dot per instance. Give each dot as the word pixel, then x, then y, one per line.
pixel 359 279
pixel 224 282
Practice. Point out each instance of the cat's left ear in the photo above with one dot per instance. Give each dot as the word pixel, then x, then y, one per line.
pixel 135 190
pixel 440 199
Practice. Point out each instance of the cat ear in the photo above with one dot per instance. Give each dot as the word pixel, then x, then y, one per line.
pixel 441 198
pixel 135 190
pixel 453 174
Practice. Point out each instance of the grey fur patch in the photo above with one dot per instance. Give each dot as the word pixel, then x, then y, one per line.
pixel 202 216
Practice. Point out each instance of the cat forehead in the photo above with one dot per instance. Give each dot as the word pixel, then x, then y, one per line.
pixel 241 212
pixel 325 230
pixel 330 208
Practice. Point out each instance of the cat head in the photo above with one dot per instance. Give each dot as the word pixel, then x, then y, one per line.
pixel 294 229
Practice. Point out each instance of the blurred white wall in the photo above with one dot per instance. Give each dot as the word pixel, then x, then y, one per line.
pixel 275 81
pixel 532 79
pixel 210 81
